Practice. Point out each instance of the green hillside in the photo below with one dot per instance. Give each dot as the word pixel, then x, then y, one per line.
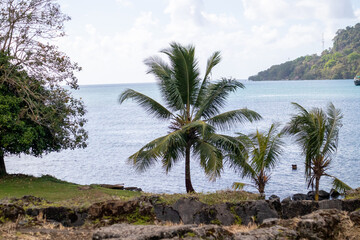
pixel 342 61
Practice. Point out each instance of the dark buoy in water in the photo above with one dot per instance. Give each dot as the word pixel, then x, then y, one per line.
pixel 294 167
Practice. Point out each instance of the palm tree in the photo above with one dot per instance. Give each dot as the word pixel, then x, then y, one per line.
pixel 264 149
pixel 193 108
pixel 317 133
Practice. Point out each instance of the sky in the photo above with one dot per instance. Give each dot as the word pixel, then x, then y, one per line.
pixel 111 38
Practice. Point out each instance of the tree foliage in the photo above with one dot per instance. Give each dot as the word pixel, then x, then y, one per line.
pixel 317 133
pixel 342 61
pixel 37 115
pixel 56 124
pixel 193 107
pixel 26 28
pixel 263 150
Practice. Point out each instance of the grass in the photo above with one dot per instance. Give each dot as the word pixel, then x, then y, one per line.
pixel 212 198
pixel 61 193
pixel 58 192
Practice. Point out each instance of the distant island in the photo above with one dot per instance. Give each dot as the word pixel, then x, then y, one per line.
pixel 342 61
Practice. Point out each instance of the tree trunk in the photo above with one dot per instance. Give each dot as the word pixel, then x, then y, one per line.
pixel 317 182
pixel 261 188
pixel 188 185
pixel 2 165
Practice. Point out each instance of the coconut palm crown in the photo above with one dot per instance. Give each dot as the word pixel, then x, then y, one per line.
pixel 192 106
pixel 264 150
pixel 317 133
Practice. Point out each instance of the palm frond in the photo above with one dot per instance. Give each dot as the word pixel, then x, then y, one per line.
pixel 274 147
pixel 172 156
pixel 227 120
pixel 165 78
pixel 164 148
pixel 146 156
pixel 151 106
pixel 340 186
pixel 215 97
pixel 232 146
pixel 333 125
pixel 211 159
pixel 200 127
pixel 214 59
pixel 185 70
pixel 238 186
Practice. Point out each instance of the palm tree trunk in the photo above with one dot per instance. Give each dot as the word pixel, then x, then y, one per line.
pixel 317 182
pixel 188 185
pixel 261 188
pixel 2 165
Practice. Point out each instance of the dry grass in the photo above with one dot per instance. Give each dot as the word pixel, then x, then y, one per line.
pixel 241 228
pixel 353 194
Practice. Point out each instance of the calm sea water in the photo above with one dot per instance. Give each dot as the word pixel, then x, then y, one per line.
pixel 116 131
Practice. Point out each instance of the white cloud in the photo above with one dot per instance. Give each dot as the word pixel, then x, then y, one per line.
pixel 125 3
pixel 265 9
pixel 297 9
pixel 90 29
pixel 185 17
pixel 221 20
pixel 266 33
pixel 145 19
pixel 357 14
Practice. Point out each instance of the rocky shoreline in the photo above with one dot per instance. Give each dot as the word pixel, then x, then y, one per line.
pixel 192 219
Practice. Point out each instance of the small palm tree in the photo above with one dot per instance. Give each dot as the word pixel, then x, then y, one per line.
pixel 193 108
pixel 317 133
pixel 264 149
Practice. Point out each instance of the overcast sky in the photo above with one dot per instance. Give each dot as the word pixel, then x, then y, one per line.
pixel 111 38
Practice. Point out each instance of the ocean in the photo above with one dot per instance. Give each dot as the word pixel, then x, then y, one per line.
pixel 117 131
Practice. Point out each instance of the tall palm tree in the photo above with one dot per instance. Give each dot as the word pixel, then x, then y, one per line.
pixel 192 105
pixel 264 150
pixel 317 133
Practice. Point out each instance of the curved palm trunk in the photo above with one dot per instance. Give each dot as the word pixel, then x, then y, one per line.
pixel 2 165
pixel 188 185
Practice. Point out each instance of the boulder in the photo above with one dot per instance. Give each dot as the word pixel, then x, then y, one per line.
pixel 273 197
pixel 10 212
pixel 66 216
pixel 350 205
pixel 323 224
pixel 224 215
pixel 334 194
pixel 165 213
pixel 255 211
pixel 323 195
pixel 206 216
pixel 285 200
pixel 299 197
pixel 276 205
pixel 122 211
pixel 187 208
pixel 298 208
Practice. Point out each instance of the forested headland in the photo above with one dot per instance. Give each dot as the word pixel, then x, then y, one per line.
pixel 342 61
